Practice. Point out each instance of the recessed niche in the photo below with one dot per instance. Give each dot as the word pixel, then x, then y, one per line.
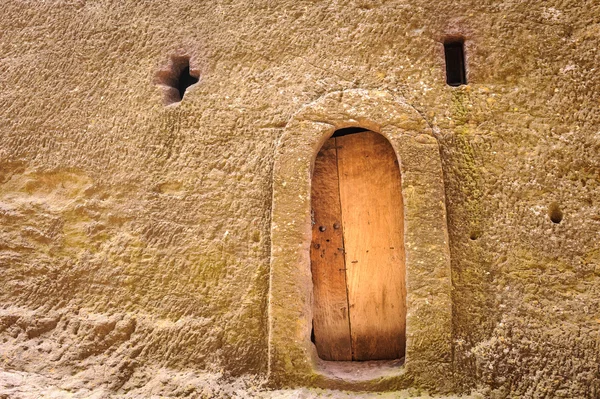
pixel 555 213
pixel 454 52
pixel 176 78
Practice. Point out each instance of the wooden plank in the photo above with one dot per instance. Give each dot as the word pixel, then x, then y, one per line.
pixel 330 310
pixel 372 219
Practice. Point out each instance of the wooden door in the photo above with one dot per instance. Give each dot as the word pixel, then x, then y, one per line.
pixel 357 250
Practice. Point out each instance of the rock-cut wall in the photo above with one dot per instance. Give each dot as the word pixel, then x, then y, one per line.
pixel 135 236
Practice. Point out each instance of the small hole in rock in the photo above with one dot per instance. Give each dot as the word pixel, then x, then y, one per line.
pixel 176 78
pixel 555 213
pixel 185 81
pixel 475 234
pixel 312 335
pixel 454 52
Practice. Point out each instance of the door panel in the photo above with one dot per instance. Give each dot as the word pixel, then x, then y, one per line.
pixel 330 312
pixel 357 208
pixel 372 220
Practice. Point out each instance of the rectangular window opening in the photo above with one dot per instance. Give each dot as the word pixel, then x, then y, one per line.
pixel 455 63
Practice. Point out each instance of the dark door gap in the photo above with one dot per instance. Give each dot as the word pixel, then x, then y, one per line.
pixel 349 130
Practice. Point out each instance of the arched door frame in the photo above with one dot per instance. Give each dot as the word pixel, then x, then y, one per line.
pixel 292 356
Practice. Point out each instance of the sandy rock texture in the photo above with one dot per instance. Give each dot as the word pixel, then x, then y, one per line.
pixel 169 384
pixel 135 236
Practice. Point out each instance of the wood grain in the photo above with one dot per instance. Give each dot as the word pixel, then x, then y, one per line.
pixel 372 220
pixel 330 310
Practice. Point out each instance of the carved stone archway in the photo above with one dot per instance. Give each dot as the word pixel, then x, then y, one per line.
pixel 292 356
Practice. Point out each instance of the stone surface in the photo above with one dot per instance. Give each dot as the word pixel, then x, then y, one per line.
pixel 164 383
pixel 135 236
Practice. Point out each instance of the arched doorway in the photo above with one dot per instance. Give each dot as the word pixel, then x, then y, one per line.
pixel 357 249
pixel 293 358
